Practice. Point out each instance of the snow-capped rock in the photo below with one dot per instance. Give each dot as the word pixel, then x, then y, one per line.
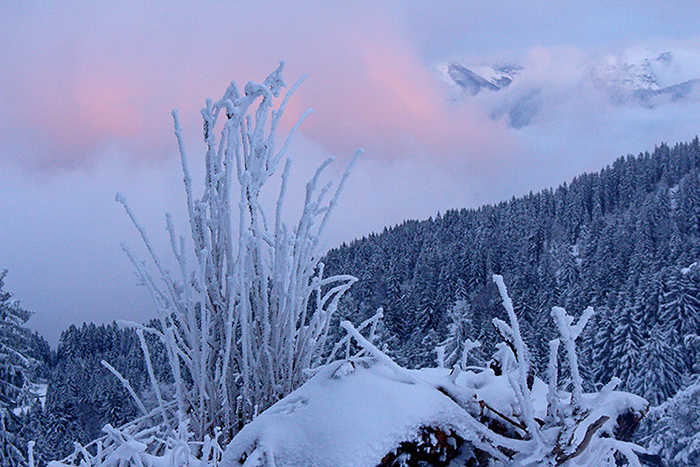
pixel 367 412
pixel 648 82
pixel 472 81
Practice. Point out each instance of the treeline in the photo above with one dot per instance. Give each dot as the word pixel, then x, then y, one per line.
pixel 83 395
pixel 621 240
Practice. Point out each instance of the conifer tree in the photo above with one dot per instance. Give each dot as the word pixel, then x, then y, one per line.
pixel 17 366
pixel 627 342
pixel 660 368
pixel 603 345
pixel 680 310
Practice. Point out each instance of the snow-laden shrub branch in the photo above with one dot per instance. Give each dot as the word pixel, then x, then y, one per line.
pixel 519 383
pixel 242 324
pixel 516 418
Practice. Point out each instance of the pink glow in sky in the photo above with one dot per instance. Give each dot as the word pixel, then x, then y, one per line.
pixel 97 84
pixel 86 90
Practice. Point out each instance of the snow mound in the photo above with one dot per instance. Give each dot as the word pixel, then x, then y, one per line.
pixel 351 413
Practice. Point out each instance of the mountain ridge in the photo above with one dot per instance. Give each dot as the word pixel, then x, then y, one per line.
pixel 517 91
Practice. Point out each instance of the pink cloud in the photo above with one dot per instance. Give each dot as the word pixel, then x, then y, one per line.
pixel 114 83
pixel 65 115
pixel 387 99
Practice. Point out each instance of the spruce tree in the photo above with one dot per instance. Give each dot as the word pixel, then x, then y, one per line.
pixel 603 345
pixel 17 366
pixel 680 310
pixel 661 368
pixel 627 342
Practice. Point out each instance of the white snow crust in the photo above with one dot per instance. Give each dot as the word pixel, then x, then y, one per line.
pixel 345 418
pixel 353 413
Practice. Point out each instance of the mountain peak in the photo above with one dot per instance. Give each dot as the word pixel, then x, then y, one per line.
pixel 473 81
pixel 643 81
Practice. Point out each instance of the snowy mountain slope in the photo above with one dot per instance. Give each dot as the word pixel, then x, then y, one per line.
pixel 604 239
pixel 468 82
pixel 521 113
pixel 676 92
pixel 519 93
pixel 472 82
pixel 627 75
pixel 648 82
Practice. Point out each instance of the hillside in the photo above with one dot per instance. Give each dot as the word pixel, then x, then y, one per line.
pixel 620 240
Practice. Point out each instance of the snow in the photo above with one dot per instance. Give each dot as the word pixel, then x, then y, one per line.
pixel 496 392
pixel 617 403
pixel 357 411
pixel 37 393
pixel 689 269
pixel 493 77
pixel 497 74
pixel 360 411
pixel 344 417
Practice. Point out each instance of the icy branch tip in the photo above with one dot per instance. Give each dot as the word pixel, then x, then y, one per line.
pixel 274 81
pixel 498 280
pixel 355 157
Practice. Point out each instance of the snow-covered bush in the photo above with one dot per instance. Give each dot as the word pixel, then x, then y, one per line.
pixel 367 411
pixel 243 324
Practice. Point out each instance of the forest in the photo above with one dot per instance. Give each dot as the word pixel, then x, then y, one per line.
pixel 625 240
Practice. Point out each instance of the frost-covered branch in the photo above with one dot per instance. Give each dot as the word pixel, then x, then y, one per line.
pixel 569 333
pixel 242 324
pixel 126 385
pixel 521 389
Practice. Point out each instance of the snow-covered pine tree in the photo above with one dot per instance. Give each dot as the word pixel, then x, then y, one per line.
pixel 680 308
pixel 692 343
pixel 16 369
pixel 627 342
pixel 688 210
pixel 672 429
pixel 602 345
pixel 660 368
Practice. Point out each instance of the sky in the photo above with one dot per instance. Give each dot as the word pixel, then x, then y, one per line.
pixel 87 87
